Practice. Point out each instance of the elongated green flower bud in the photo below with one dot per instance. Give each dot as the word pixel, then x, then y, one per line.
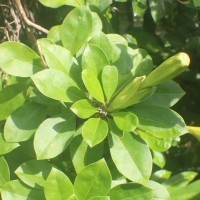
pixel 169 69
pixel 126 94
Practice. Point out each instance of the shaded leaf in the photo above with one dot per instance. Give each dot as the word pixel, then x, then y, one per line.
pixel 4 171
pixel 53 136
pixel 58 186
pixel 34 173
pixel 15 190
pixel 130 149
pixel 93 180
pixel 130 191
pixel 22 123
pixel 82 155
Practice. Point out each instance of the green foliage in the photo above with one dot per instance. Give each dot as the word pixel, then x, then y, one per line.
pixel 95 113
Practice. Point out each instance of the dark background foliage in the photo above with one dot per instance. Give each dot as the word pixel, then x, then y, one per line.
pixel 163 28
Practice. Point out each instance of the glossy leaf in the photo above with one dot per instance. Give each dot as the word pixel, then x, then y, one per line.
pixel 159 121
pixel 16 190
pixel 6 147
pixel 73 197
pixel 56 57
pixel 34 173
pixel 109 79
pixel 130 191
pixel 161 175
pixel 95 174
pixel 83 109
pixel 155 143
pixel 22 123
pixel 159 191
pixel 58 186
pixel 73 30
pixel 167 94
pixel 11 98
pixel 130 149
pixel 94 131
pixel 97 24
pixel 93 85
pixel 117 39
pixel 4 172
pixel 82 155
pixel 53 136
pixel 14 54
pixel 56 85
pixel 94 58
pixel 58 3
pixel 125 121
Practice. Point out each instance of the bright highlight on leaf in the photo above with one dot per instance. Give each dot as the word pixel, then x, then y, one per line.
pixel 83 109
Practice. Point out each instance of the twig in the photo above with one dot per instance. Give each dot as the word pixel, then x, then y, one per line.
pixel 26 20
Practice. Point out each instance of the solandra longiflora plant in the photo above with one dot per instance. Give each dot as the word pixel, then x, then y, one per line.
pixel 83 121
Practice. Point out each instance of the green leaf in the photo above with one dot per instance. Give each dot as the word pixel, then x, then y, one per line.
pixel 56 57
pixel 117 39
pixel 4 172
pixel 94 131
pixel 83 109
pixel 109 79
pixel 82 155
pixel 159 121
pixel 142 62
pixel 94 58
pixel 56 85
pixel 100 198
pixel 94 180
pixel 97 24
pixel 34 173
pixel 159 159
pixel 6 147
pixel 14 55
pixel 11 97
pixel 196 3
pixel 73 30
pixel 53 136
pixel 58 186
pixel 155 143
pixel 159 191
pixel 102 5
pixel 93 85
pixel 54 35
pixel 167 94
pixel 100 40
pixel 130 149
pixel 160 176
pixel 130 191
pixel 180 180
pixel 188 192
pixel 58 3
pixel 22 123
pixel 16 190
pixel 73 197
pixel 126 94
pixel 125 121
